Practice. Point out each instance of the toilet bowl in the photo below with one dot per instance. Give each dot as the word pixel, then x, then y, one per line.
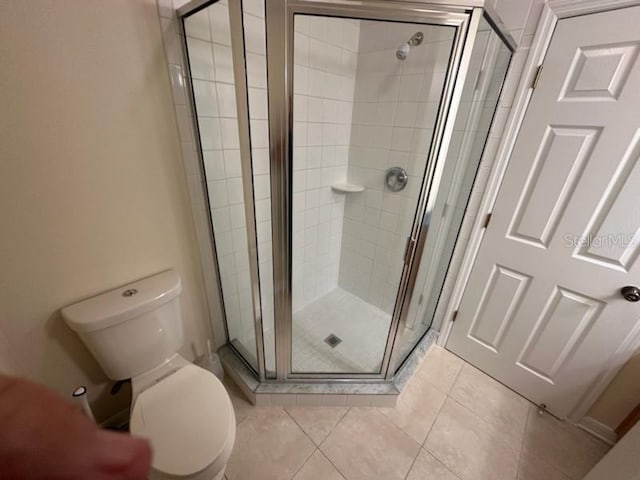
pixel 184 411
pixel 189 420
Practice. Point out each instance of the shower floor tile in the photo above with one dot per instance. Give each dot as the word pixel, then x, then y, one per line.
pixel 361 327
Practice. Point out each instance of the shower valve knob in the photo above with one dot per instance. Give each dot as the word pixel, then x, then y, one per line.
pixel 396 179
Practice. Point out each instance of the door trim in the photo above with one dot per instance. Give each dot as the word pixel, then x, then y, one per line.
pixel 553 11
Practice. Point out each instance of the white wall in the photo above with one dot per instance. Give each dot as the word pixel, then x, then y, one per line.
pixel 92 188
pixel 324 79
pixel 395 108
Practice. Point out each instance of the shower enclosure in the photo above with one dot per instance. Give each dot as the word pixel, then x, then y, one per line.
pixel 339 142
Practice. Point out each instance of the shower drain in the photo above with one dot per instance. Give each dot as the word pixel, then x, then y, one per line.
pixel 332 341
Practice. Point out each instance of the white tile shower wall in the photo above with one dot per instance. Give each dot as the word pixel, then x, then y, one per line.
pixel 394 112
pixel 324 79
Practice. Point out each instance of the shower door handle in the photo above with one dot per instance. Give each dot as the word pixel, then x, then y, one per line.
pixel 408 253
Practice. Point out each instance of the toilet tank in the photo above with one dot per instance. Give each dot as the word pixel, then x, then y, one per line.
pixel 131 329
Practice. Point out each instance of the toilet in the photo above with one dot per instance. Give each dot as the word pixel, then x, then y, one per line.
pixel 135 332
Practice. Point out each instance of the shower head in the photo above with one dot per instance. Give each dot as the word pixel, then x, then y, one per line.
pixel 403 50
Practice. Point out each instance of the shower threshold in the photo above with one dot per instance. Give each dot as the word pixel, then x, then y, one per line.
pixel 382 393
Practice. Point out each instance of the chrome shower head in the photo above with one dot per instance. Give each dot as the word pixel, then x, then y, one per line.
pixel 403 50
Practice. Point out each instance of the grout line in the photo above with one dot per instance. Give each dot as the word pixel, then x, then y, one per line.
pixel 491 429
pixel 242 421
pixel 434 422
pixel 446 467
pixel 437 460
pixel 299 426
pixel 323 440
pixel 455 380
pixel 495 433
pixel 498 381
pixel 433 454
pixel 412 463
pixel 334 466
pixel 305 462
pixel 333 428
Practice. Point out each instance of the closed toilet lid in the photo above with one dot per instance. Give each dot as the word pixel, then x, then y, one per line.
pixel 185 416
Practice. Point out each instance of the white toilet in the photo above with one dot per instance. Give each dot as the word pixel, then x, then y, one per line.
pixel 135 332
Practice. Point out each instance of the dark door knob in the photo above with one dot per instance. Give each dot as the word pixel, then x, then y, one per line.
pixel 630 293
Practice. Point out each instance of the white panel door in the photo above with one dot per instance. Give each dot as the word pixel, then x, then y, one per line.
pixel 542 311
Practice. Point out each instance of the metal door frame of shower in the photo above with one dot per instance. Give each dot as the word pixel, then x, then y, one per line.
pixel 465 16
pixel 280 18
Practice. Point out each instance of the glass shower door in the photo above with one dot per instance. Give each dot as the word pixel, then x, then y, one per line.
pixel 487 69
pixel 366 99
pixel 226 54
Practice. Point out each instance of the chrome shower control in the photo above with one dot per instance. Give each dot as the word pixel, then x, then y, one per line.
pixel 396 179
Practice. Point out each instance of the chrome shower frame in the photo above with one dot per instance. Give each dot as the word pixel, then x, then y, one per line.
pixel 279 16
pixel 281 60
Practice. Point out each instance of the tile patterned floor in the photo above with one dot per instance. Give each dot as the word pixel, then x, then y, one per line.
pixel 452 422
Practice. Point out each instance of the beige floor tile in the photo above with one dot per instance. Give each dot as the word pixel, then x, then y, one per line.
pixel 266 411
pixel 318 468
pixel 417 408
pixel 269 446
pixel 532 468
pixel 241 406
pixel 440 367
pixel 567 448
pixel 428 467
pixel 469 446
pixel 317 422
pixel 499 406
pixel 366 444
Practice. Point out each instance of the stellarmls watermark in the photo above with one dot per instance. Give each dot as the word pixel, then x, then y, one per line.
pixel 611 240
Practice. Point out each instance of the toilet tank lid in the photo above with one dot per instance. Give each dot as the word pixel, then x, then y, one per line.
pixel 123 303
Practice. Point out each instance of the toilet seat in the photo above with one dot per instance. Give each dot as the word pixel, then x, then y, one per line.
pixel 189 420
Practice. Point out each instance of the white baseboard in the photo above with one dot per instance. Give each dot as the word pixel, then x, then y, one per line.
pixel 598 429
